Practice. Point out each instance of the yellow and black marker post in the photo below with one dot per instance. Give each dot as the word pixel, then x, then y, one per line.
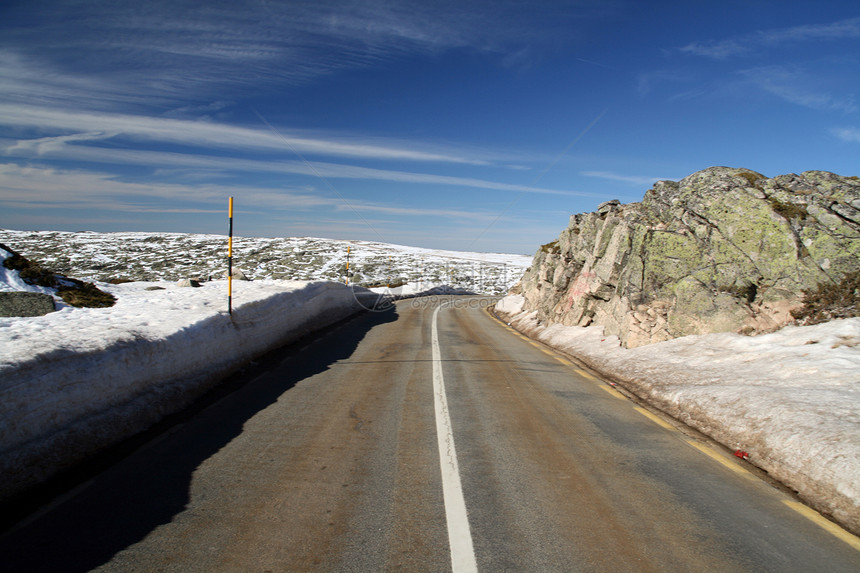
pixel 347 265
pixel 230 261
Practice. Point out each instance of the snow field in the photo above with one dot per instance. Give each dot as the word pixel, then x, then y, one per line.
pixel 173 256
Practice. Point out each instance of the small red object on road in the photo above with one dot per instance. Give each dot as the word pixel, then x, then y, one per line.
pixel 742 454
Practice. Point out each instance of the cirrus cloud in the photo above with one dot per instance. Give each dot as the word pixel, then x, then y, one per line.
pixel 749 43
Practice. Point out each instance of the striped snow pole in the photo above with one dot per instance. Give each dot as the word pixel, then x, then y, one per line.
pixel 347 265
pixel 230 261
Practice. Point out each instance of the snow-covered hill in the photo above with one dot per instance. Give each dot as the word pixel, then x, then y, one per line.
pixel 172 256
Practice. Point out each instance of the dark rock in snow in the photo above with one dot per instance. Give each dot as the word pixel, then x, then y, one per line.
pixel 26 304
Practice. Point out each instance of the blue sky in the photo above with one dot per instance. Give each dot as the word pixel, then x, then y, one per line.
pixel 469 125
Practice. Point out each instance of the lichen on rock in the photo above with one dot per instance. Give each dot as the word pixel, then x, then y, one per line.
pixel 724 249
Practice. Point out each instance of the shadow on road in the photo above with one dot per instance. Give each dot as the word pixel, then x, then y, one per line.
pixel 139 491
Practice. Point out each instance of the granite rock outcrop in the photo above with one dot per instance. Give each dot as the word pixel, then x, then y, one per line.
pixel 722 250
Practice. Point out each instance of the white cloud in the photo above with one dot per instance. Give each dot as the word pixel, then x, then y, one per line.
pixel 56 188
pixel 421 212
pixel 851 134
pixel 796 86
pixel 632 179
pixel 849 28
pixel 32 187
pixel 202 165
pixel 54 145
pixel 211 134
pixel 31 80
pixel 748 43
pixel 184 50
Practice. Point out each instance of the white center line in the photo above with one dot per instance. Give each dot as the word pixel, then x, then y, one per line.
pixel 459 535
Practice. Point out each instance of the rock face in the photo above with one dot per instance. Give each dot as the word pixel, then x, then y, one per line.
pixel 25 304
pixel 722 250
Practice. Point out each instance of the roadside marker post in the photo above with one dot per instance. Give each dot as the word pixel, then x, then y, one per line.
pixel 347 265
pixel 230 260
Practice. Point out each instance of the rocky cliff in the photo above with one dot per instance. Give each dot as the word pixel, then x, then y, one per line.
pixel 722 250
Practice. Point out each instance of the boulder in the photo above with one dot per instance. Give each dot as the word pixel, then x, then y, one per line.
pixel 26 304
pixel 238 275
pixel 723 249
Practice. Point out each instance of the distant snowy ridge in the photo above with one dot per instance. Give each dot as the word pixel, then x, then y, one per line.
pixel 791 399
pixel 173 256
pixel 77 380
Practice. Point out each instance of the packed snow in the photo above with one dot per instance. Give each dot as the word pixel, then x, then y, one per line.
pixel 790 399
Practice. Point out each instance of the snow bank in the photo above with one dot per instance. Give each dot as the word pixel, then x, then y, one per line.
pixel 511 304
pixel 791 399
pixel 76 380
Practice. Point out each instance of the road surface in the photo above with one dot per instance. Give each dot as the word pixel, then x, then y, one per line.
pixel 426 438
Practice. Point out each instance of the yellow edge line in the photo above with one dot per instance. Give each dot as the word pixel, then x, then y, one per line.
pixel 561 359
pixel 656 419
pixel 585 374
pixel 819 520
pixel 564 361
pixel 543 349
pixel 613 392
pixel 580 371
pixel 716 457
pixel 548 352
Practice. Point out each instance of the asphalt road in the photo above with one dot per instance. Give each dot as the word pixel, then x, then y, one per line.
pixel 327 457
